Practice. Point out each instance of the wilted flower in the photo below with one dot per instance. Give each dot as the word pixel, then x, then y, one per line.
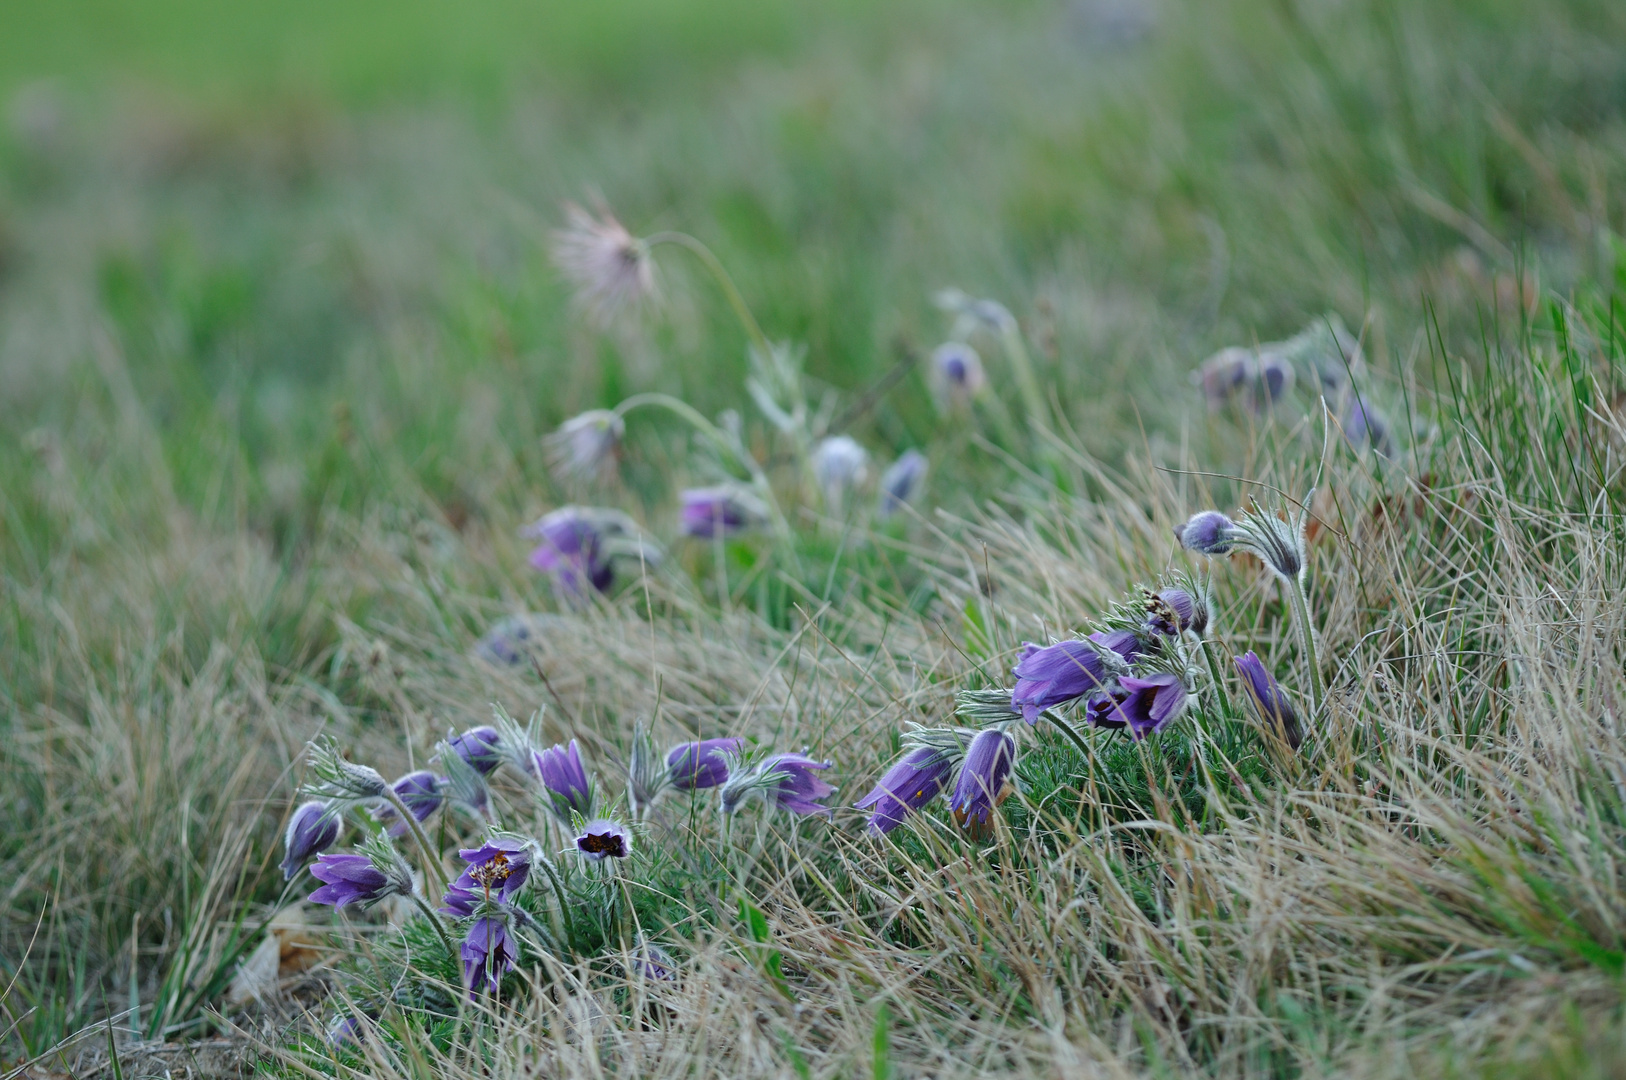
pixel 957 372
pixel 839 465
pixel 609 267
pixel 988 762
pixel 602 839
pixel 363 879
pixel 497 868
pixel 1207 533
pixel 585 446
pixel 479 747
pixel 1146 705
pixel 910 784
pixel 1270 699
pixel 564 779
pixel 901 482
pixel 421 791
pixel 719 511
pixel 788 780
pixel 1174 611
pixel 312 829
pixel 703 764
pixel 571 549
pixel 489 953
pixel 972 314
pixel 1054 674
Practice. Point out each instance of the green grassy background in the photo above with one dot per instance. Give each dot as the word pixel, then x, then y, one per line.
pixel 278 330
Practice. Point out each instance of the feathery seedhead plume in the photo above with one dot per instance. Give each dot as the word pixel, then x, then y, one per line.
pixel 1271 701
pixel 693 766
pixel 722 510
pixel 788 780
pixel 988 763
pixel 903 480
pixel 839 465
pixel 338 781
pixel 312 829
pixel 421 792
pixel 585 446
pixel 610 269
pixel 931 757
pixel 374 874
pixel 603 838
pixel 564 780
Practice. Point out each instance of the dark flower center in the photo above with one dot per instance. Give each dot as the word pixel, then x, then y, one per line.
pixel 613 844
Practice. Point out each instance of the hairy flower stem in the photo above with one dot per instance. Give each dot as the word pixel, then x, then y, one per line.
pixel 558 895
pixel 431 863
pixel 435 921
pixel 730 291
pixel 710 432
pixel 1301 615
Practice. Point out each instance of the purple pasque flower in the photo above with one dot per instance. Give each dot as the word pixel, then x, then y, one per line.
pixel 907 786
pixel 704 764
pixel 1275 379
pixel 1364 424
pixel 313 828
pixel 652 962
pixel 722 510
pixel 1207 533
pixel 1173 611
pixel 1054 674
pixel 798 786
pixel 346 1029
pixel 560 770
pixel 585 446
pixel 480 748
pixel 1225 373
pixel 1270 699
pixel 497 868
pixel 1146 705
pixel 957 371
pixel 489 953
pixel 603 838
pixel 357 879
pixel 988 763
pixel 571 550
pixel 902 481
pixel 422 792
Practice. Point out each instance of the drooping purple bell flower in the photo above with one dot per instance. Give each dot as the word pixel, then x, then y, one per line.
pixel 907 786
pixel 1275 379
pixel 988 763
pixel 1270 699
pixel 497 868
pixel 1363 424
pixel 703 764
pixel 353 879
pixel 652 962
pixel 901 482
pixel 480 747
pixel 799 787
pixel 570 550
pixel 604 839
pixel 1207 533
pixel 489 953
pixel 1174 611
pixel 1051 675
pixel 564 779
pixel 1147 705
pixel 718 511
pixel 1225 373
pixel 312 829
pixel 421 791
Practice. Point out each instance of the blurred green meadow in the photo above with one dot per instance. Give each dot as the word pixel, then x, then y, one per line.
pixel 280 339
